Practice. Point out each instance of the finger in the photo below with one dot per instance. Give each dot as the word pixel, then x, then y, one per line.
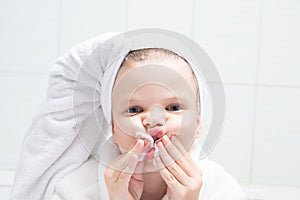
pixel 174 152
pixel 138 172
pixel 170 180
pixel 184 161
pixel 122 161
pixel 175 169
pixel 109 175
pixel 163 154
pixel 118 165
pixel 180 147
pixel 158 163
pixel 138 147
pixel 114 168
pixel 126 174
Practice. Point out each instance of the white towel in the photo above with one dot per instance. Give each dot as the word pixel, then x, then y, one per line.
pixel 51 147
pixel 76 114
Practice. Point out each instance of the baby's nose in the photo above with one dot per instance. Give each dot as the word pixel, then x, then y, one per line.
pixel 156 116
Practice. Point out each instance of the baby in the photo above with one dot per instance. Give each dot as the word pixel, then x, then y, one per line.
pixel 154 91
pixel 155 122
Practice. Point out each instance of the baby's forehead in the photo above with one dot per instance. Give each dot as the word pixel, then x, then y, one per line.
pixel 164 67
pixel 174 75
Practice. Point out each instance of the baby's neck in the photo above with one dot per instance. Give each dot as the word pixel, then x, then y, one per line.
pixel 154 186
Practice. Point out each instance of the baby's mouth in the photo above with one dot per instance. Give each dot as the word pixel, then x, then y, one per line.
pixel 152 136
pixel 156 139
pixel 156 133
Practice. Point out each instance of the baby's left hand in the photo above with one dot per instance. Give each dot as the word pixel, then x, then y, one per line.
pixel 181 174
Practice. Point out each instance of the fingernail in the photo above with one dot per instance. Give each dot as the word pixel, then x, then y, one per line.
pixel 166 139
pixel 173 138
pixel 159 145
pixel 139 141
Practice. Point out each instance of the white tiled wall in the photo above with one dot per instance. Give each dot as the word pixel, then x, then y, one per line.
pixel 229 32
pixel 81 20
pixel 279 52
pixel 29 35
pixel 254 43
pixel 276 147
pixel 176 15
pixel 235 144
pixel 22 93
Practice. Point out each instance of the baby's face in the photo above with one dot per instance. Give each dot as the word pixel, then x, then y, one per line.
pixel 158 98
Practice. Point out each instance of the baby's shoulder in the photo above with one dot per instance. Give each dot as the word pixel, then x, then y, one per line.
pixel 217 182
pixel 212 167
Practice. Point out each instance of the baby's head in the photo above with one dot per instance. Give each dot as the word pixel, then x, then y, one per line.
pixel 155 92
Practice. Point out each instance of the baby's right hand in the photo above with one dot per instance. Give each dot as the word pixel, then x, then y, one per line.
pixel 121 179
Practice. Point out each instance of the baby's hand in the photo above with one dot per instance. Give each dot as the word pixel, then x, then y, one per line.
pixel 181 174
pixel 121 179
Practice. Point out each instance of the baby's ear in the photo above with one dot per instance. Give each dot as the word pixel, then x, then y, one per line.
pixel 199 127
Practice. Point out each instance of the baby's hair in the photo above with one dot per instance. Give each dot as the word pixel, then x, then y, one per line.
pixel 150 54
pixel 146 54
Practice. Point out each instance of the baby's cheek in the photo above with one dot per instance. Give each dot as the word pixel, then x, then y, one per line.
pixel 181 123
pixel 173 125
pixel 126 142
pixel 129 125
pixel 187 131
pixel 123 140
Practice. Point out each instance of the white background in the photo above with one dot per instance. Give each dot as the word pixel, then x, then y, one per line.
pixel 254 43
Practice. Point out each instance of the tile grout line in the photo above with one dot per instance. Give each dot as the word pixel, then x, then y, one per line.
pixel 261 85
pixel 5 186
pixel 59 28
pixel 256 90
pixel 4 169
pixel 20 71
pixel 46 72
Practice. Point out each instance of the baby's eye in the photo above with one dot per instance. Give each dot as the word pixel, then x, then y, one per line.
pixel 134 109
pixel 173 108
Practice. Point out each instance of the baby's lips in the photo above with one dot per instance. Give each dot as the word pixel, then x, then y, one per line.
pixel 156 132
